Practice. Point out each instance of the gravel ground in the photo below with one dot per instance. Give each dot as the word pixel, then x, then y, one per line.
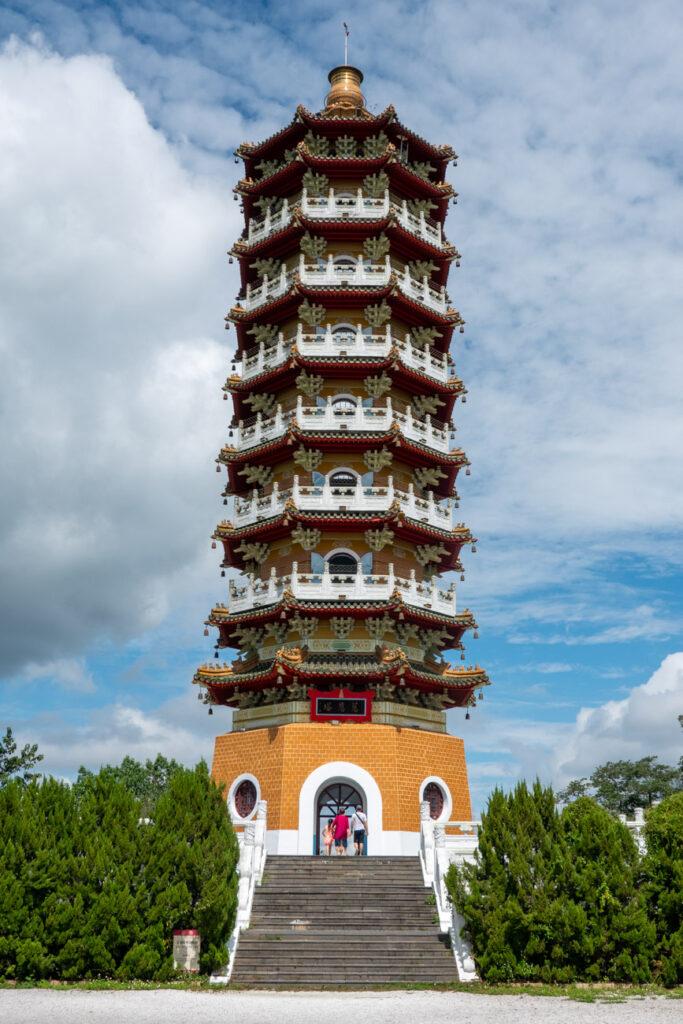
pixel 35 1006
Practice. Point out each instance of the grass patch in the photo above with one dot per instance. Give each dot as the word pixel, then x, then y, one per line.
pixel 580 992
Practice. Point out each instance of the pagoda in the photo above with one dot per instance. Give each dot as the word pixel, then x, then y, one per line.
pixel 341 469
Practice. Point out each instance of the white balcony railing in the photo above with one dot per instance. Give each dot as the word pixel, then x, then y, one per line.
pixel 349 343
pixel 327 273
pixel 336 207
pixel 257 230
pixel 267 290
pixel 329 417
pixel 331 498
pixel 328 586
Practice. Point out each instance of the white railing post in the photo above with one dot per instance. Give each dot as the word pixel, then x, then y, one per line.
pixel 426 843
pixel 295 575
pixel 390 490
pixel 296 497
pixel 272 585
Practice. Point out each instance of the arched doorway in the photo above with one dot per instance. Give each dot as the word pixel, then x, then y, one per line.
pixel 335 797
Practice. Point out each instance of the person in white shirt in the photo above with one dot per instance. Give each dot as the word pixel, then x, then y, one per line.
pixel 359 827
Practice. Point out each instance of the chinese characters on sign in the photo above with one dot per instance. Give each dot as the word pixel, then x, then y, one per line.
pixel 341 705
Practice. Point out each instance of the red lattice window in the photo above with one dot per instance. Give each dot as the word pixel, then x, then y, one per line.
pixel 245 798
pixel 433 794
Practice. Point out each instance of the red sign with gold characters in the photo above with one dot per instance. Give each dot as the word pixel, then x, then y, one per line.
pixel 341 705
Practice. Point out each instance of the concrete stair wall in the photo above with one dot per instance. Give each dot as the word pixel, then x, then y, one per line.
pixel 341 921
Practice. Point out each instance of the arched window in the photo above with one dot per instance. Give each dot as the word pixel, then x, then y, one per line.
pixel 342 563
pixel 245 798
pixel 344 334
pixel 432 793
pixel 344 405
pixel 343 481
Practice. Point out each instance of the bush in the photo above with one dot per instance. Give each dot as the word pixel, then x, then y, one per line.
pixel 86 891
pixel 553 898
pixel 663 884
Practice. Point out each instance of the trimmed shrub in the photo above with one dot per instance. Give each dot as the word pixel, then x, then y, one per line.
pixel 663 884
pixel 88 891
pixel 552 897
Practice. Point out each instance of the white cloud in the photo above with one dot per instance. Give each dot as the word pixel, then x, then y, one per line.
pixel 111 345
pixel 67 673
pixel 644 723
pixel 179 728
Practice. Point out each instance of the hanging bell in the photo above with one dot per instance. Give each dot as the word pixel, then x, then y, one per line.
pixel 464 398
pixel 216 655
pixel 453 434
pixel 466 716
pixel 230 433
pixel 222 572
pixel 236 160
pixel 462 330
pixel 467 472
pixel 235 198
pixel 206 632
pixel 225 396
pixel 213 545
pixel 231 260
pixel 474 549
pixel 475 635
pixel 462 655
pixel 211 711
pixel 218 469
pixel 462 577
pixel 457 504
pixel 225 501
pixel 481 695
pixel 457 263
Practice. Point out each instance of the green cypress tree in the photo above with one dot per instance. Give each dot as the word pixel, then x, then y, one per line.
pixel 511 898
pixel 617 939
pixel 104 916
pixel 191 859
pixel 663 884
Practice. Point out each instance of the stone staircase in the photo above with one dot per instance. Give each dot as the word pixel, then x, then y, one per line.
pixel 341 921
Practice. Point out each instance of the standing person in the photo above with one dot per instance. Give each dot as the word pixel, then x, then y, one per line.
pixel 359 827
pixel 342 831
pixel 328 836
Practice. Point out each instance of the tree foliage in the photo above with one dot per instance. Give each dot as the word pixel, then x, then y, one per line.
pixel 146 782
pixel 553 897
pixel 663 871
pixel 19 765
pixel 88 889
pixel 621 786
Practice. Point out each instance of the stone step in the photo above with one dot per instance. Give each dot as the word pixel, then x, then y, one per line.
pixel 342 921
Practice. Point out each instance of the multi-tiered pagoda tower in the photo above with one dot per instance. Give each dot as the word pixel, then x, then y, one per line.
pixel 342 464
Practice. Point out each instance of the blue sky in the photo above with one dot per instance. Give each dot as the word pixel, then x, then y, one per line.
pixel 118 127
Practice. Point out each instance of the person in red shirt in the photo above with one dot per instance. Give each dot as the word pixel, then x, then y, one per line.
pixel 342 830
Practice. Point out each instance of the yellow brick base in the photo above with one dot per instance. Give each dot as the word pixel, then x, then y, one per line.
pixel 399 760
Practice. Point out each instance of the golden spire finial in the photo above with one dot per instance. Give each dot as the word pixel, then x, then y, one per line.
pixel 345 98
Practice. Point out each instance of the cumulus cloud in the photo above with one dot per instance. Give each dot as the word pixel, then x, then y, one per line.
pixel 644 723
pixel 506 747
pixel 179 728
pixel 67 673
pixel 111 349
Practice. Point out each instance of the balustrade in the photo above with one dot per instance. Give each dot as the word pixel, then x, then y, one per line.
pixel 327 586
pixel 328 497
pixel 335 207
pixel 329 343
pixel 257 429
